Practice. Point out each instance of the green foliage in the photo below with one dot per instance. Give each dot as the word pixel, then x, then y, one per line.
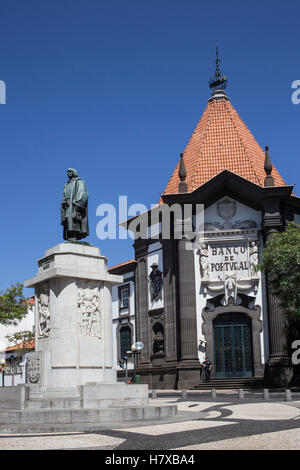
pixel 13 306
pixel 281 262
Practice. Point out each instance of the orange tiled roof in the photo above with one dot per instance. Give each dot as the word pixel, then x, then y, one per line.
pixel 122 264
pixel 221 141
pixel 28 345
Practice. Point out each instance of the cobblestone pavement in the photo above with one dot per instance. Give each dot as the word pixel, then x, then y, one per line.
pixel 202 423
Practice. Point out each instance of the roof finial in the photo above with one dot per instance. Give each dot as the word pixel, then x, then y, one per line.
pixel 218 81
pixel 182 186
pixel 268 167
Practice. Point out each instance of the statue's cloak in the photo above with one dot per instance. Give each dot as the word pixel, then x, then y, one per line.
pixel 74 217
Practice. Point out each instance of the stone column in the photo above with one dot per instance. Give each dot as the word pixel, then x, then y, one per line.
pixel 279 366
pixel 142 327
pixel 188 367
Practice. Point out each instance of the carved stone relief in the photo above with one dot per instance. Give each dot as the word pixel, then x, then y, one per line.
pixel 89 307
pixel 253 257
pixel 226 209
pixel 34 367
pixel 43 306
pixel 204 262
pixel 238 225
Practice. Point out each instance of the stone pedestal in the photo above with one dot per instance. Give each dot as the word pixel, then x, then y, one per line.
pixel 73 320
pixel 72 384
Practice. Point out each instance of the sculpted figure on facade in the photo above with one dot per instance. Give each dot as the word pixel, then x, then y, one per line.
pixel 253 257
pixel 89 309
pixel 204 261
pixel 230 288
pixel 44 312
pixel 155 283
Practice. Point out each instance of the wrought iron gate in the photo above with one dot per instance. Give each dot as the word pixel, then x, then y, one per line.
pixel 233 346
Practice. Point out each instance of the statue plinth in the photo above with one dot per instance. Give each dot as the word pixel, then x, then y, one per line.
pixel 73 318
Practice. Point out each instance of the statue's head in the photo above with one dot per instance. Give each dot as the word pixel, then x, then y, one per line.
pixel 71 172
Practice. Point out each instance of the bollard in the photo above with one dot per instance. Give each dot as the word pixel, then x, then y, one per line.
pixel 266 394
pixel 183 394
pixel 154 394
pixel 213 393
pixel 241 393
pixel 288 395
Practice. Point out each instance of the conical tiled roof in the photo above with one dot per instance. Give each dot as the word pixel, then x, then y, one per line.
pixel 221 141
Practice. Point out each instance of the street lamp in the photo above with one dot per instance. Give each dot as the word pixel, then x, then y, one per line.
pixel 136 348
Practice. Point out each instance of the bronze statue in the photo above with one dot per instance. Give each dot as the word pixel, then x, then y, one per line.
pixel 74 208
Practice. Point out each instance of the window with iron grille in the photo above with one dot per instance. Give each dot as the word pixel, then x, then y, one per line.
pixel 125 340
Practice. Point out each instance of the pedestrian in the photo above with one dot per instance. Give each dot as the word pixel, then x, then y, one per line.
pixel 207 369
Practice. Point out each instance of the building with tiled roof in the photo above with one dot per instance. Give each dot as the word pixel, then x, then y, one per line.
pixel 196 293
pixel 15 373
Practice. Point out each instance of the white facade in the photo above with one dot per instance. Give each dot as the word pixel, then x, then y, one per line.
pixel 26 324
pixel 123 317
pixel 231 234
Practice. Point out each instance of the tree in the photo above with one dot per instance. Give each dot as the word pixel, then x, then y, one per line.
pixel 281 262
pixel 13 305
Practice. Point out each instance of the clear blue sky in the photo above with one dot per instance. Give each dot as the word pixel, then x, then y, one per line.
pixel 115 89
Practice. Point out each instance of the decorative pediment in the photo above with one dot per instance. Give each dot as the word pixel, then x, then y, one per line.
pixel 227 264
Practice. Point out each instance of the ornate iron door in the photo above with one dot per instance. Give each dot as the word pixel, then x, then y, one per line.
pixel 233 347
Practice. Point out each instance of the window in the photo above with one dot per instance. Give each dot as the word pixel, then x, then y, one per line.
pixel 125 340
pixel 124 298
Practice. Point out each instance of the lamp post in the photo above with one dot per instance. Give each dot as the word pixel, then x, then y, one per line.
pixel 136 348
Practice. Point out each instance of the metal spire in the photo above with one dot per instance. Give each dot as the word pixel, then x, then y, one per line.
pixel 218 81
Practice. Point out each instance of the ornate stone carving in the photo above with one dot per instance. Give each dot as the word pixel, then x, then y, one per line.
pixel 230 288
pixel 43 305
pixel 33 367
pixel 226 209
pixel 89 306
pixel 204 262
pixel 155 283
pixel 253 257
pixel 230 285
pixel 238 225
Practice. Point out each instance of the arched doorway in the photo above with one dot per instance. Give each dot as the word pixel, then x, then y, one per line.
pixel 232 338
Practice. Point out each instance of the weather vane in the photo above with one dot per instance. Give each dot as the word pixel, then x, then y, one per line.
pixel 218 81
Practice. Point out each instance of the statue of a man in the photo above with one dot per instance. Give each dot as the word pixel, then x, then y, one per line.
pixel 74 208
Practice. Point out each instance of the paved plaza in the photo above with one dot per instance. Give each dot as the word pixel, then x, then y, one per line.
pixel 202 423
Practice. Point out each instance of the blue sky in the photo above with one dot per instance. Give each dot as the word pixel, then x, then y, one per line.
pixel 115 89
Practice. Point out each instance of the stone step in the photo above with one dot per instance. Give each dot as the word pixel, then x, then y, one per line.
pixel 52 420
pixel 247 383
pixel 61 403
